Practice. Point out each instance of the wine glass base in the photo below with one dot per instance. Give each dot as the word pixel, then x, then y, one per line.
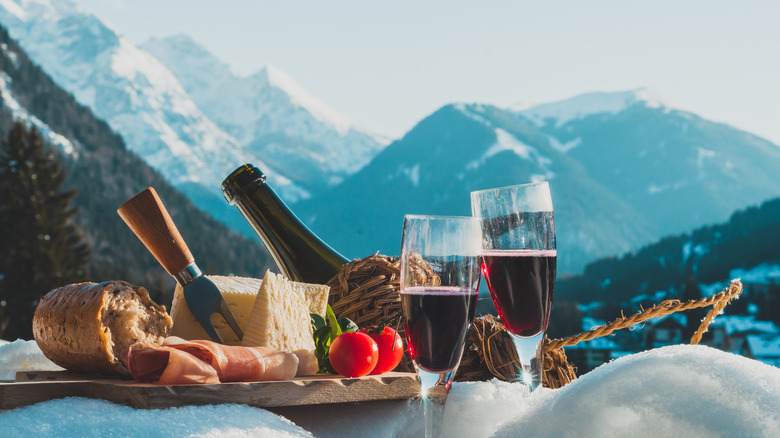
pixel 434 386
pixel 529 351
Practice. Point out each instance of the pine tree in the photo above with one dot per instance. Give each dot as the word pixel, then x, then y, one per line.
pixel 41 246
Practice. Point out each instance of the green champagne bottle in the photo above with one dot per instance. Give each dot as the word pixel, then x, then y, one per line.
pixel 297 251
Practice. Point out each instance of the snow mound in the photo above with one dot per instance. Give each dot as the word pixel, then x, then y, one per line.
pixel 22 355
pixel 82 417
pixel 683 390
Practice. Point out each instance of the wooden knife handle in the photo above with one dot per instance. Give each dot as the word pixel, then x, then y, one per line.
pixel 146 215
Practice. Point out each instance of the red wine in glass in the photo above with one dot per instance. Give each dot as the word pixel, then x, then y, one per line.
pixel 521 283
pixel 436 323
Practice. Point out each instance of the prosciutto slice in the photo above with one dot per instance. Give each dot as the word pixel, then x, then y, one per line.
pixel 178 361
pixel 240 364
pixel 154 363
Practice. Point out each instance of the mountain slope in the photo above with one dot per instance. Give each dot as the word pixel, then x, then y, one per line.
pixel 676 169
pixel 145 103
pixel 106 175
pixel 271 114
pixel 458 149
pixel 625 170
pixel 707 255
pixel 133 92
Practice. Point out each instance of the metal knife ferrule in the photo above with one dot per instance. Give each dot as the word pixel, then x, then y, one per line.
pixel 186 275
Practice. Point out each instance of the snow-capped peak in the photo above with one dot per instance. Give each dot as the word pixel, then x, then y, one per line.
pixel 187 51
pixel 319 109
pixel 13 8
pixel 46 9
pixel 588 104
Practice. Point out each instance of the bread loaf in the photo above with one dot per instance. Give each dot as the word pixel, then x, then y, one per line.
pixel 84 327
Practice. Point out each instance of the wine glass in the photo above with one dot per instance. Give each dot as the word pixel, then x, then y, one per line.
pixel 439 284
pixel 519 262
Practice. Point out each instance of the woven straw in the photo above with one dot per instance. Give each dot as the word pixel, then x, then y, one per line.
pixel 368 292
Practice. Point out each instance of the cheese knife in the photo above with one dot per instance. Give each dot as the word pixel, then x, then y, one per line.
pixel 148 218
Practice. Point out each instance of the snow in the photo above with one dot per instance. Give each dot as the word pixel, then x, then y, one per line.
pixel 505 141
pixel 508 142
pixel 584 105
pixel 14 9
pixel 688 249
pixel 765 273
pixel 473 111
pixel 603 343
pixel 653 189
pixel 22 355
pixel 682 390
pixel 764 348
pixel 269 104
pixel 413 174
pixel 744 324
pixel 564 147
pixel 589 323
pixel 20 113
pixel 72 417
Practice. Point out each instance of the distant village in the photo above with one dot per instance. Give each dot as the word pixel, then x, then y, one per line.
pixel 742 334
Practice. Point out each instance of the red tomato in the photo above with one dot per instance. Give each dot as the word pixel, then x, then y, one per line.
pixel 353 354
pixel 391 348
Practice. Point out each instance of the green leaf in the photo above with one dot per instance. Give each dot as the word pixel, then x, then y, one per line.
pixel 317 322
pixel 335 328
pixel 347 325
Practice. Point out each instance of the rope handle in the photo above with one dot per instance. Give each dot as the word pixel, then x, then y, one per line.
pixel 718 301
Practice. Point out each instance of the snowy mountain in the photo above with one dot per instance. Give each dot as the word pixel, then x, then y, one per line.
pixel 126 87
pixel 584 105
pixel 147 104
pixel 676 169
pixel 271 114
pixel 624 168
pixel 105 174
pixel 461 148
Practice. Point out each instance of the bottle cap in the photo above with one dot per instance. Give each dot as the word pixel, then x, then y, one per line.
pixel 239 180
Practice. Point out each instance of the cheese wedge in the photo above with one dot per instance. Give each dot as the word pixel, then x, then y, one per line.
pixel 281 320
pixel 239 292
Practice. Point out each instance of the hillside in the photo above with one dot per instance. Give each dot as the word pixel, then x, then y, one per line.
pixel 708 255
pixel 675 168
pixel 106 174
pixel 624 171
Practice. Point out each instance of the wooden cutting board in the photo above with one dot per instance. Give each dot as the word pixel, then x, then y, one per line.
pixel 34 387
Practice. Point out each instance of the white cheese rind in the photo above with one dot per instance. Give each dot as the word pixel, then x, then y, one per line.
pixel 281 320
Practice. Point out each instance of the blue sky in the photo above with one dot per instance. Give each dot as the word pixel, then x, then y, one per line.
pixel 387 65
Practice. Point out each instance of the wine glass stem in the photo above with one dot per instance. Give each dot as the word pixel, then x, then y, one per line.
pixel 529 351
pixel 434 387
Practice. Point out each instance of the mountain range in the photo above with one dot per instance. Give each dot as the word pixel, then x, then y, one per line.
pixel 625 168
pixel 195 122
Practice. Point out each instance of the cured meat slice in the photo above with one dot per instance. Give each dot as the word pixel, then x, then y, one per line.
pixel 240 364
pixel 166 366
pixel 178 361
